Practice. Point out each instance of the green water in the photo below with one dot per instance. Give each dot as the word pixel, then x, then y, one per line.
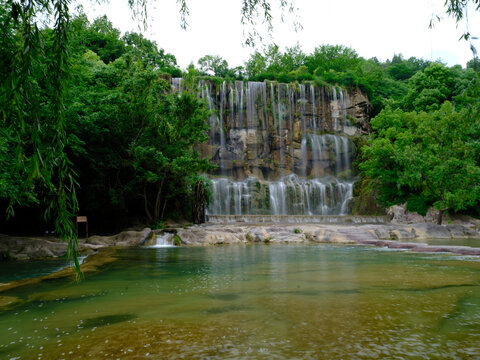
pixel 254 302
pixel 16 270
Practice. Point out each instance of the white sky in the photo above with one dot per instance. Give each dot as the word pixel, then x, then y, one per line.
pixel 378 28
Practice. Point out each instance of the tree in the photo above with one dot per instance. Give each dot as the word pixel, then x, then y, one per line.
pixel 403 69
pixel 213 65
pixel 103 39
pixel 429 89
pixel 149 52
pixel 332 57
pixel 434 156
pixel 32 112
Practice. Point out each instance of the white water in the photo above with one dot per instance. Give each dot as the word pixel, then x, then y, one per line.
pixel 163 241
pixel 289 195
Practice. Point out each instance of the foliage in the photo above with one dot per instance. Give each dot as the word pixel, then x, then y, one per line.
pixel 32 114
pixel 429 89
pixel 434 156
pixel 133 139
pixel 213 65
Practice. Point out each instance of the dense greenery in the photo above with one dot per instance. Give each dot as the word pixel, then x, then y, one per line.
pixel 425 148
pixel 129 140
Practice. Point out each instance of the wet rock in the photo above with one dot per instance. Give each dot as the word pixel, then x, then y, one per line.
pixel 381 232
pixel 125 238
pixel 27 248
pixel 429 230
pixel 459 231
pixel 401 233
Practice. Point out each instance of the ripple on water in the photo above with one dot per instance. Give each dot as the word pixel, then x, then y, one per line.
pixel 255 302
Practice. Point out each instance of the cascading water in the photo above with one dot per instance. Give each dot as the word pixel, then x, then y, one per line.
pixel 282 146
pixel 163 241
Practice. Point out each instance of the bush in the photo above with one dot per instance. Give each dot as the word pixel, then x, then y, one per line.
pixel 416 203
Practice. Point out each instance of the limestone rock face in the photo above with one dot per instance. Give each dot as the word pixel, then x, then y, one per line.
pixel 256 121
pixel 400 215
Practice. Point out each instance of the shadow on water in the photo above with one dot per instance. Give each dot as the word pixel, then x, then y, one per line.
pixel 464 316
pixel 224 296
pixel 226 309
pixel 107 320
pixel 433 288
pixel 317 292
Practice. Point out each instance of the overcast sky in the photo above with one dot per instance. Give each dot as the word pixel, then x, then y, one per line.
pixel 374 28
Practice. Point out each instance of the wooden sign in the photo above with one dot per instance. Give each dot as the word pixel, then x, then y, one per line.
pixel 82 219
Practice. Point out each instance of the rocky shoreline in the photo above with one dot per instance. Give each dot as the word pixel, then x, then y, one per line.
pixel 392 235
pixel 45 247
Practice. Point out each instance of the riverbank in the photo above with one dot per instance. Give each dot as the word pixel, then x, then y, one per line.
pixel 397 236
pixel 46 247
pixel 403 236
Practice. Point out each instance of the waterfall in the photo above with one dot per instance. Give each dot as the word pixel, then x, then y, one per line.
pixel 285 147
pixel 291 195
pixel 163 241
pixel 312 94
pixel 239 102
pixel 335 111
pixel 176 84
pixel 329 148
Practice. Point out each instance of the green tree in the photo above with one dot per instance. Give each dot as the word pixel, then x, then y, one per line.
pixel 434 156
pixel 165 161
pixel 429 89
pixel 403 69
pixel 213 65
pixel 337 58
pixel 103 39
pixel 32 112
pixel 150 54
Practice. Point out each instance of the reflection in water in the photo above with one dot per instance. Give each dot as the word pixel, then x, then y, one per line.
pixel 253 302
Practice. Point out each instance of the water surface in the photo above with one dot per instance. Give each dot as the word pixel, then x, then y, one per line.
pixel 254 302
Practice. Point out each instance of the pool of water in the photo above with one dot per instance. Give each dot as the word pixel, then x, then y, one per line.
pixel 16 270
pixel 253 302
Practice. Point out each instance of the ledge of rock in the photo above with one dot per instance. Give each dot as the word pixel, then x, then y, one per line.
pixel 125 238
pixel 393 235
pixel 29 248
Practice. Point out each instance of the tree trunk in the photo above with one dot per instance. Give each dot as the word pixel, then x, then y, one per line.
pixel 145 203
pixel 163 209
pixel 198 203
pixel 440 216
pixel 158 198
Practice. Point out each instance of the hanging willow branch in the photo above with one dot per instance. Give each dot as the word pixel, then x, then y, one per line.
pixel 36 128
